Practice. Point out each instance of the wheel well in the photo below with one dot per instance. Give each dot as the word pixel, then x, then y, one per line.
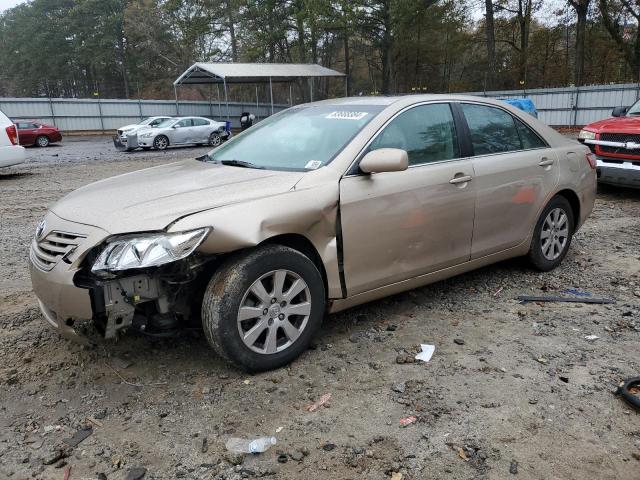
pixel 303 245
pixel 162 135
pixel 574 201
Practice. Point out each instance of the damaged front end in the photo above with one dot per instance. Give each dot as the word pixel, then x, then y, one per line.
pixel 149 283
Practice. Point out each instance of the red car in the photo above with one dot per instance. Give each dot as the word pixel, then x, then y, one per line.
pixel 36 133
pixel 616 143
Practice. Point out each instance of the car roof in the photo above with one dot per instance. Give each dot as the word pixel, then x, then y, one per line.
pixel 408 99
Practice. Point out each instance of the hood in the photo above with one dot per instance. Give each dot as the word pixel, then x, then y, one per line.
pixel 133 125
pixel 153 198
pixel 616 125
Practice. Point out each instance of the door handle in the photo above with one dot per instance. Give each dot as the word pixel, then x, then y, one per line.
pixel 461 179
pixel 545 162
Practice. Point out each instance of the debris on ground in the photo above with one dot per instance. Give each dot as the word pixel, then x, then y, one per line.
pixel 513 468
pixel 577 293
pixel 591 338
pixel 396 476
pixel 79 436
pixel 458 341
pixel 534 298
pixel 408 420
pixel 322 401
pixel 629 390
pixel 426 353
pixel 242 445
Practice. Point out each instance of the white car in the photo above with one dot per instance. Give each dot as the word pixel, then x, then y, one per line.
pixel 183 131
pixel 124 132
pixel 11 153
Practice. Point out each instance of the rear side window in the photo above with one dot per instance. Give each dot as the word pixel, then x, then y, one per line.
pixel 185 123
pixel 200 122
pixel 492 130
pixel 528 137
pixel 426 132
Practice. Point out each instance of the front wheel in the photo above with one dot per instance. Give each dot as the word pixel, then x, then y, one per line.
pixel 161 142
pixel 261 309
pixel 552 235
pixel 42 141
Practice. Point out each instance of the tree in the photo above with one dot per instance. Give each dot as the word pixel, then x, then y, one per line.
pixel 613 13
pixel 582 10
pixel 490 34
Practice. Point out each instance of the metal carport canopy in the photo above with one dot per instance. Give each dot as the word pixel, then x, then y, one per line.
pixel 225 73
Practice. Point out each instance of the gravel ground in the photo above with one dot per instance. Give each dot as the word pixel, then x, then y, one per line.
pixel 512 391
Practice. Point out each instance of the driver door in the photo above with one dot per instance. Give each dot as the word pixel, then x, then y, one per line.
pixel 399 225
pixel 181 132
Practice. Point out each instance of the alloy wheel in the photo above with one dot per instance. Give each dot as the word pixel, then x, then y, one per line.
pixel 215 140
pixel 274 311
pixel 161 143
pixel 42 141
pixel 555 234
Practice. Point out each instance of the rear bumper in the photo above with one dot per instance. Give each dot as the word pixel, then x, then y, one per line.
pixel 11 155
pixel 625 174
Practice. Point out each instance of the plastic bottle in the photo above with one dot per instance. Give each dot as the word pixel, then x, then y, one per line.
pixel 258 445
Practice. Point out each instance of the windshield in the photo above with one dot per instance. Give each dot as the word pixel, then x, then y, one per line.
pixel 300 138
pixel 635 109
pixel 166 123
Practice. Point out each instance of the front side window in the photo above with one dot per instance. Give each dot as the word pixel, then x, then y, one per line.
pixel 426 132
pixel 184 123
pixel 166 123
pixel 300 138
pixel 492 130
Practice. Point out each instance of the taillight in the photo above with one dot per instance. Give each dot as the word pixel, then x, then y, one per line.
pixel 12 133
pixel 591 158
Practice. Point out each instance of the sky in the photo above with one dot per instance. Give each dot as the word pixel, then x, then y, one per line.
pixel 5 4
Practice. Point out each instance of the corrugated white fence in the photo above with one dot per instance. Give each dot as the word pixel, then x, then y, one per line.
pixel 571 106
pixel 563 107
pixel 109 114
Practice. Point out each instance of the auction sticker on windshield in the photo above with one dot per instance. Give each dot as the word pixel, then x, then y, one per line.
pixel 313 164
pixel 347 115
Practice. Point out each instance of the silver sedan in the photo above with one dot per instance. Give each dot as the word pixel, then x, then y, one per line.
pixel 184 131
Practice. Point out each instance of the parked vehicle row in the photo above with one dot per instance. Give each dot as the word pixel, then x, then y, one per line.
pixel 316 209
pixel 163 132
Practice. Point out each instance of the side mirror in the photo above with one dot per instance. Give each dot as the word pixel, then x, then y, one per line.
pixel 175 126
pixel 385 160
pixel 619 111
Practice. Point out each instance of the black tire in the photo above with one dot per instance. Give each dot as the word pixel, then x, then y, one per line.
pixel 161 142
pixel 228 287
pixel 42 141
pixel 215 139
pixel 536 255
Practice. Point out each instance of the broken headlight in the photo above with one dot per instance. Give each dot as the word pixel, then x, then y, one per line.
pixel 148 250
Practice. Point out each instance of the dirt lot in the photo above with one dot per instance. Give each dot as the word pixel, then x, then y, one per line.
pixel 511 388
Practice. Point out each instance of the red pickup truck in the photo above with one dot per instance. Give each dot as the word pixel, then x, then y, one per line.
pixel 616 143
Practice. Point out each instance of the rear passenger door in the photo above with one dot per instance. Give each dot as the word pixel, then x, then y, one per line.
pixel 201 129
pixel 515 171
pixel 27 133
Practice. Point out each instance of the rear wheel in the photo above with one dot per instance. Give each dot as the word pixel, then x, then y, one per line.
pixel 552 235
pixel 161 142
pixel 215 139
pixel 42 141
pixel 261 309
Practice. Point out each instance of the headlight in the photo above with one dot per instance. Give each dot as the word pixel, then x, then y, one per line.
pixel 148 250
pixel 586 135
pixel 148 135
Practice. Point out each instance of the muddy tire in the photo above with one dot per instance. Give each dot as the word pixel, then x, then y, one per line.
pixel 160 142
pixel 262 308
pixel 552 235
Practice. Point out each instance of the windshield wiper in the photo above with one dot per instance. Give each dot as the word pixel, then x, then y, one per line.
pixel 239 163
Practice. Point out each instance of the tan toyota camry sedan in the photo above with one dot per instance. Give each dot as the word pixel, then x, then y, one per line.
pixel 316 209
